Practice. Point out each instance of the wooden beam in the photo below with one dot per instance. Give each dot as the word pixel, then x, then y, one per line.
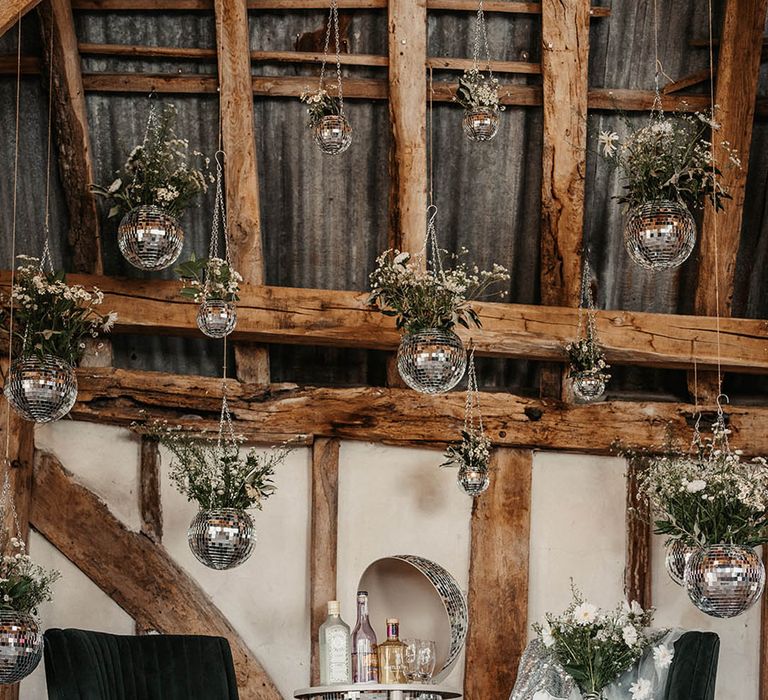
pixel 12 10
pixel 287 315
pixel 498 577
pixel 143 579
pixel 695 78
pixel 324 539
pixel 242 175
pixel 736 91
pixel 150 500
pixel 400 416
pixel 407 26
pixel 72 137
pixel 637 572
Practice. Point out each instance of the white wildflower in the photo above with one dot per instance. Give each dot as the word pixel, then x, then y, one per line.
pixel 629 635
pixel 641 690
pixel 662 656
pixel 585 614
pixel 607 141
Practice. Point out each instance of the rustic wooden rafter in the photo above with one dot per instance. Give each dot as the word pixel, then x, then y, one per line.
pixel 11 10
pixel 638 571
pixel 150 501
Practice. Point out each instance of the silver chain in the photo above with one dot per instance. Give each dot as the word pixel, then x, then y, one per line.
pixel 587 329
pixel 151 120
pixel 219 213
pixel 6 499
pixel 472 403
pixel 481 33
pixel 431 244
pixel 225 420
pixel 333 21
pixel 46 257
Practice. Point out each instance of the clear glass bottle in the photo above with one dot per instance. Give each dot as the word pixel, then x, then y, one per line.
pixel 392 655
pixel 365 660
pixel 335 648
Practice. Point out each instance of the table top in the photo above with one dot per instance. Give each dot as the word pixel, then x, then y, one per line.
pixel 426 688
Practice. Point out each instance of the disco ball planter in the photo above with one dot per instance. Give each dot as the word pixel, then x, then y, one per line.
pixel 41 389
pixel 332 134
pixel 677 556
pixel 659 235
pixel 724 580
pixel 588 386
pixel 21 646
pixel 150 238
pixel 221 538
pixel 480 123
pixel 473 480
pixel 217 318
pixel 432 361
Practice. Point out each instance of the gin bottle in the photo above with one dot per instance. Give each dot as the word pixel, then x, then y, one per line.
pixel 365 661
pixel 335 648
pixel 392 655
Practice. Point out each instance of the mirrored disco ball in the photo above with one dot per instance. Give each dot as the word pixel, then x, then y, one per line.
pixel 333 134
pixel 473 480
pixel 724 580
pixel 659 235
pixel 432 361
pixel 217 318
pixel 149 238
pixel 222 538
pixel 678 554
pixel 588 386
pixel 21 646
pixel 481 123
pixel 41 389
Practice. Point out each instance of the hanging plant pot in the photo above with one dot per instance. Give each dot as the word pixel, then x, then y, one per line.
pixel 588 386
pixel 41 389
pixel 659 235
pixel 150 238
pixel 217 318
pixel 333 134
pixel 480 123
pixel 431 361
pixel 473 480
pixel 222 538
pixel 724 580
pixel 678 554
pixel 21 646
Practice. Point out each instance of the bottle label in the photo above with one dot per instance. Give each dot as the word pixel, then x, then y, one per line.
pixel 366 664
pixel 337 641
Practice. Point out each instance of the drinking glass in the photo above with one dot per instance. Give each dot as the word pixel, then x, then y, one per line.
pixel 420 660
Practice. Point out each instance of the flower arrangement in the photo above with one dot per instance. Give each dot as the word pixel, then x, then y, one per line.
pixel 596 646
pixel 670 158
pixel 586 357
pixel 421 299
pixel 23 584
pixel 708 497
pixel 473 452
pixel 52 317
pixel 206 279
pixel 159 172
pixel 320 104
pixel 477 91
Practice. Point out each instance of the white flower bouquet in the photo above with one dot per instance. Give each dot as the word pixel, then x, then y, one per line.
pixel 478 91
pixel 208 279
pixel 23 584
pixel 586 357
pixel 320 104
pixel 473 452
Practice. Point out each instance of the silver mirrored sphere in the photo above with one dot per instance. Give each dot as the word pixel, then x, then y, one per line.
pixel 21 646
pixel 149 238
pixel 724 580
pixel 221 538
pixel 473 480
pixel 333 134
pixel 217 318
pixel 432 361
pixel 677 556
pixel 480 123
pixel 659 235
pixel 588 386
pixel 41 389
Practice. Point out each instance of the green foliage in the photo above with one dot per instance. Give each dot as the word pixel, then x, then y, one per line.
pixel 23 585
pixel 586 356
pixel 206 279
pixel 473 452
pixel 477 90
pixel 320 104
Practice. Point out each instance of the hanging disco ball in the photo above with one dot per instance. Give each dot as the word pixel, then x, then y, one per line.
pixel 217 318
pixel 41 389
pixel 677 556
pixel 333 134
pixel 724 580
pixel 659 235
pixel 588 386
pixel 473 480
pixel 432 361
pixel 221 538
pixel 480 123
pixel 149 238
pixel 21 646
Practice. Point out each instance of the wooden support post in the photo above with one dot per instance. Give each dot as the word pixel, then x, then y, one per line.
pixel 241 172
pixel 150 502
pixel 323 547
pixel 74 144
pixel 565 88
pixel 11 10
pixel 498 577
pixel 407 26
pixel 638 572
pixel 143 580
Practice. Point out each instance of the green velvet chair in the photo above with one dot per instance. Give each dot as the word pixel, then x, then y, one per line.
pixel 694 669
pixel 84 665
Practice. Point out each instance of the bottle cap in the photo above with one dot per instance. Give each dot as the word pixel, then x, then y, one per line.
pixel 333 607
pixel 359 593
pixel 393 621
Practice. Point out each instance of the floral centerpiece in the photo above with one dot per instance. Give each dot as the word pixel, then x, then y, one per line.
pixel 478 94
pixel 208 279
pixel 471 456
pixel 320 104
pixel 595 647
pixel 331 130
pixel 588 368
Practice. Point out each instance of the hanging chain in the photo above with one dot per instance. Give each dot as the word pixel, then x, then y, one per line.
pixel 481 33
pixel 472 403
pixel 333 23
pixel 6 499
pixel 219 213
pixel 431 244
pixel 151 123
pixel 225 420
pixel 587 327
